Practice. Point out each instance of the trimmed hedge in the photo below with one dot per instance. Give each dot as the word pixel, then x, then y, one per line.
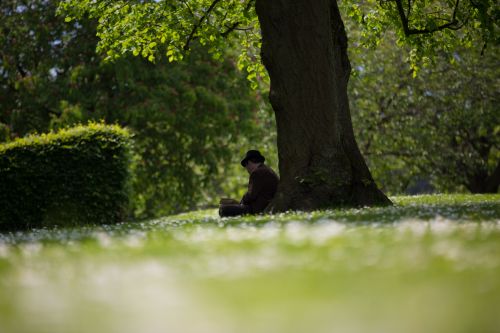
pixel 75 176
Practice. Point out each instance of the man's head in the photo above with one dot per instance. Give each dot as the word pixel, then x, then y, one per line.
pixel 252 160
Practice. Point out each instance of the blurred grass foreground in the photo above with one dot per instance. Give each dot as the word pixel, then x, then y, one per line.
pixel 428 264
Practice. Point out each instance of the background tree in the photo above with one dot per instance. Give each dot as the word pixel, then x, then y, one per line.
pixel 189 118
pixel 30 41
pixel 441 125
pixel 304 48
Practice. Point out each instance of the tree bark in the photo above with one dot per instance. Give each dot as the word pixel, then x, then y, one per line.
pixel 304 49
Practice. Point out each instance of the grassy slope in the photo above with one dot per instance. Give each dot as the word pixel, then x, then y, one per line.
pixel 428 264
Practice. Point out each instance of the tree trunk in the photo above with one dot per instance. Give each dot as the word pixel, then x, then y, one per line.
pixel 481 182
pixel 304 49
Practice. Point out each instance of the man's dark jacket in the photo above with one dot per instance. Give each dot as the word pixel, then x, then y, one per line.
pixel 262 186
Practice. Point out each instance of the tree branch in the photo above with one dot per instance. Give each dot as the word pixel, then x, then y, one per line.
pixel 402 16
pixel 198 24
pixel 230 29
pixel 235 25
pixel 188 7
pixel 21 70
pixel 453 24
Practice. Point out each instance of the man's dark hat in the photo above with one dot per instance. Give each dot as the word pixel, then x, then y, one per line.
pixel 253 155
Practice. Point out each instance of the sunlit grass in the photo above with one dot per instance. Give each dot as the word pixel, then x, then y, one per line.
pixel 427 264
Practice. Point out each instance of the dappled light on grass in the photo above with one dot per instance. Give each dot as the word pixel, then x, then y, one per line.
pixel 415 267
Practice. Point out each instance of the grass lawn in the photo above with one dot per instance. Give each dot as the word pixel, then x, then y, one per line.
pixel 427 264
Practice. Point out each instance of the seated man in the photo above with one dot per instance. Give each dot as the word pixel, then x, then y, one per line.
pixel 262 186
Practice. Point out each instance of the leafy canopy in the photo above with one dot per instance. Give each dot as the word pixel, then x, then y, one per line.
pixel 153 29
pixel 428 27
pixel 168 27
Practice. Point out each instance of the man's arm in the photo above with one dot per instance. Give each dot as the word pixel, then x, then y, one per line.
pixel 254 188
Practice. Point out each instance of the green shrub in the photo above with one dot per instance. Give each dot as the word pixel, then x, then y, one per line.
pixel 74 176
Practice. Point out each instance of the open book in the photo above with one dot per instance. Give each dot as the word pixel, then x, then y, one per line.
pixel 228 201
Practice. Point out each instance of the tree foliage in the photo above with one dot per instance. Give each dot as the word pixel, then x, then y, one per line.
pixel 187 118
pixel 34 50
pixel 155 29
pixel 428 28
pixel 167 27
pixel 441 125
